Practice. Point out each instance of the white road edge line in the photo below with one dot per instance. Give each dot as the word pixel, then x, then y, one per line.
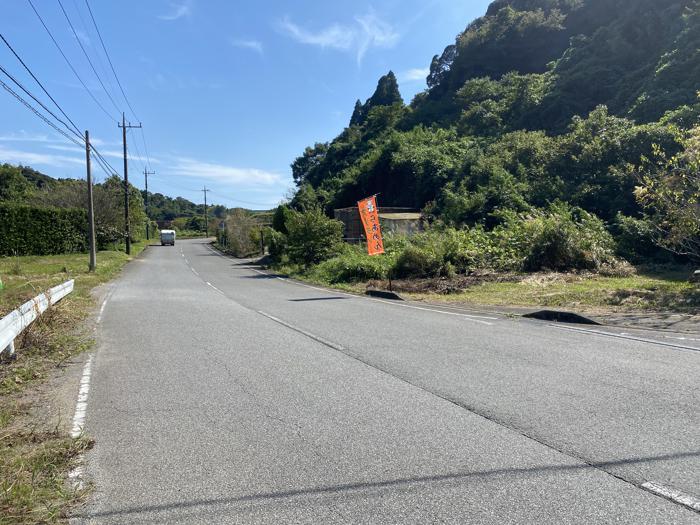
pixel 81 404
pixel 102 308
pixel 194 271
pixel 76 475
pixel 303 332
pixel 677 496
pixel 473 318
pixel 214 287
pixel 628 337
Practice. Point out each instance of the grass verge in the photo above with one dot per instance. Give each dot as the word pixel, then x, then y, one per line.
pixel 35 458
pixel 664 289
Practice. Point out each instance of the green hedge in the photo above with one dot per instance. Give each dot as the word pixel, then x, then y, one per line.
pixel 28 230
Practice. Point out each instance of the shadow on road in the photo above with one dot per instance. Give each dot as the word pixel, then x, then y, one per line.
pixel 399 483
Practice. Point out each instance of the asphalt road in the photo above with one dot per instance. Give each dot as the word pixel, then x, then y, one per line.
pixel 220 394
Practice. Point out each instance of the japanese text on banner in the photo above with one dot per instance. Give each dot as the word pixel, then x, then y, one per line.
pixel 370 220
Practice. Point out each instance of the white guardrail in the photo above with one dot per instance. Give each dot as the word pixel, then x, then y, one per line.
pixel 16 321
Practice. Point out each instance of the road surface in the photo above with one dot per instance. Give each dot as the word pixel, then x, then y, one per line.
pixel 220 394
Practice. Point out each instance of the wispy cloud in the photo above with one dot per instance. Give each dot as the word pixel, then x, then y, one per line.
pixel 23 136
pixel 32 158
pixel 415 74
pixel 177 11
pixel 368 31
pixel 254 45
pixel 189 167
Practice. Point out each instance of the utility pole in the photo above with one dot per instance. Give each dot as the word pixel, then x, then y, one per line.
pixel 127 227
pixel 206 215
pixel 146 173
pixel 91 211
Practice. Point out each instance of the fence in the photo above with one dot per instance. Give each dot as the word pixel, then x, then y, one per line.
pixel 16 321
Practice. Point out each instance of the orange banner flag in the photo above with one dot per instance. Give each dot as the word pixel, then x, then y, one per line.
pixel 369 213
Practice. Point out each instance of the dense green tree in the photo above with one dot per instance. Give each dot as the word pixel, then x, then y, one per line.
pixel 387 92
pixel 14 187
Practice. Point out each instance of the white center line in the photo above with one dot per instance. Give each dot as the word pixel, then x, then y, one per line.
pixel 304 332
pixel 675 495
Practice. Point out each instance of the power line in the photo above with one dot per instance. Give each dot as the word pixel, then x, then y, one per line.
pixel 145 147
pixel 39 114
pixel 18 84
pixel 70 65
pixel 116 77
pixel 112 171
pixel 75 34
pixel 77 129
pixel 138 151
pixel 104 48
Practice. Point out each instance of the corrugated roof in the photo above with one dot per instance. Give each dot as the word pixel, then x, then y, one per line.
pixel 400 216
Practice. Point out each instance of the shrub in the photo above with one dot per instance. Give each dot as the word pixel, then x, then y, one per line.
pixel 419 261
pixel 313 237
pixel 29 230
pixel 352 266
pixel 560 238
pixel 636 239
pixel 276 244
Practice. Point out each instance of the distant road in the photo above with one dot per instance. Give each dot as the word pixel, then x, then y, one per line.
pixel 220 394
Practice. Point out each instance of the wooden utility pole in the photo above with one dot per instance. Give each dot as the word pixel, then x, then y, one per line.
pixel 127 227
pixel 146 173
pixel 206 215
pixel 91 211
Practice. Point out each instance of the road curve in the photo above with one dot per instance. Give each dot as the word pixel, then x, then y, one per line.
pixel 220 394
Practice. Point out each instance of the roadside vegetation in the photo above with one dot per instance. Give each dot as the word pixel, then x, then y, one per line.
pixel 537 185
pixel 36 453
pixel 557 257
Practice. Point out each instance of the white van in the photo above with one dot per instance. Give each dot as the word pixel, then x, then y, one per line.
pixel 167 237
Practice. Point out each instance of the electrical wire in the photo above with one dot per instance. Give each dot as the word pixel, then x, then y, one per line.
pixel 70 65
pixel 75 34
pixel 19 85
pixel 77 129
pixel 138 152
pixel 39 114
pixel 116 77
pixel 104 48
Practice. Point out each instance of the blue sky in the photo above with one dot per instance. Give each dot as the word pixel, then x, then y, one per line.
pixel 229 93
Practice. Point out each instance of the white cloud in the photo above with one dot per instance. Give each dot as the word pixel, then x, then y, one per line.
pixel 415 74
pixel 375 33
pixel 335 36
pixel 23 136
pixel 368 31
pixel 253 45
pixel 83 37
pixel 188 167
pixel 30 158
pixel 177 11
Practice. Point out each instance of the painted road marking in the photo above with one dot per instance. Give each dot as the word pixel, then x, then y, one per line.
pixel 102 308
pixel 473 318
pixel 215 288
pixel 628 337
pixel 303 332
pixel 675 495
pixel 81 404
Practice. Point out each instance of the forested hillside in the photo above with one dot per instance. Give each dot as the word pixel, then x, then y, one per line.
pixel 539 101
